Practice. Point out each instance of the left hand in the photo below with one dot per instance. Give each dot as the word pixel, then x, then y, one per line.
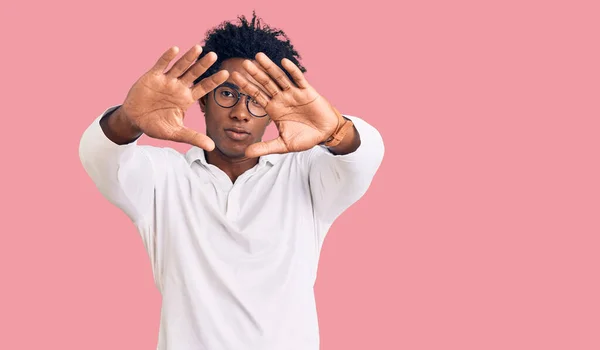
pixel 303 117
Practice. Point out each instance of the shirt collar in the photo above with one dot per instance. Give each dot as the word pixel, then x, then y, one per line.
pixel 197 154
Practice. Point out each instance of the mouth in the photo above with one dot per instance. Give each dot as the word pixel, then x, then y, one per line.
pixel 237 134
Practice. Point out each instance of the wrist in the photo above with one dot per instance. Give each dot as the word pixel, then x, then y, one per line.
pixel 119 128
pixel 344 125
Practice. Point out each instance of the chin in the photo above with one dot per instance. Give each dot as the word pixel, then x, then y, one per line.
pixel 233 152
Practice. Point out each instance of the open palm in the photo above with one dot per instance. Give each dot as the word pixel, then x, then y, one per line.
pixel 302 116
pixel 157 102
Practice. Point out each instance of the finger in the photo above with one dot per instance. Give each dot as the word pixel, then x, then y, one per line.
pixel 250 89
pixel 262 77
pixel 274 71
pixel 194 138
pixel 208 84
pixel 295 72
pixel 266 147
pixel 199 68
pixel 165 59
pixel 184 62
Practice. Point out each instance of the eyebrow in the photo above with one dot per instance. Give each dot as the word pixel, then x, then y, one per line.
pixel 237 88
pixel 231 85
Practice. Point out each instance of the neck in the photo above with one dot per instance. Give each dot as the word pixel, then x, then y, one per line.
pixel 233 167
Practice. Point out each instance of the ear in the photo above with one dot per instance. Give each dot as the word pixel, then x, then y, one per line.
pixel 202 103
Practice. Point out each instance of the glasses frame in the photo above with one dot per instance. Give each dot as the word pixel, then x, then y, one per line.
pixel 239 96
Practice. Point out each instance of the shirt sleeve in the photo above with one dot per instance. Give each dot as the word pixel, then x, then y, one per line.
pixel 338 181
pixel 128 176
pixel 124 174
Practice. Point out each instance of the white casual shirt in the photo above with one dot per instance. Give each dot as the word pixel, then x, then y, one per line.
pixel 235 263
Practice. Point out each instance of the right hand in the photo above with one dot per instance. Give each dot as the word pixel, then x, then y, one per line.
pixel 157 102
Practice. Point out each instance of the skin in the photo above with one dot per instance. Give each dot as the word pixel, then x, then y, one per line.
pixel 157 102
pixel 303 117
pixel 229 154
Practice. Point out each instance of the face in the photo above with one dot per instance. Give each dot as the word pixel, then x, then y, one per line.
pixel 232 129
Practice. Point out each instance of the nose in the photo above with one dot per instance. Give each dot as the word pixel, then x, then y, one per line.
pixel 239 111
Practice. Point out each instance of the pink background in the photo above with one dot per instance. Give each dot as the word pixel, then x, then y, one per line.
pixel 481 230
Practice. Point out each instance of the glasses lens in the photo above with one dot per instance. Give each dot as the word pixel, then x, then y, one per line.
pixel 226 96
pixel 256 109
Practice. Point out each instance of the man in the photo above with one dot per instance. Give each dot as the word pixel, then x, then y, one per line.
pixel 234 227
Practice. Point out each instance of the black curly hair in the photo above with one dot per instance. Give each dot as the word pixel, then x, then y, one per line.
pixel 245 40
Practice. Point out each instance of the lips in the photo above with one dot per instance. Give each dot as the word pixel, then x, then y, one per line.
pixel 237 134
pixel 238 130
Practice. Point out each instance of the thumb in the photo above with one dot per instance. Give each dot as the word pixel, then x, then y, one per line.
pixel 266 147
pixel 194 138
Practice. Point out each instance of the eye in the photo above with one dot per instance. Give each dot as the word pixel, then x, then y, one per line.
pixel 226 93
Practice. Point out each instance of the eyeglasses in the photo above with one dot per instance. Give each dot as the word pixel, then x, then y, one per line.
pixel 227 96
